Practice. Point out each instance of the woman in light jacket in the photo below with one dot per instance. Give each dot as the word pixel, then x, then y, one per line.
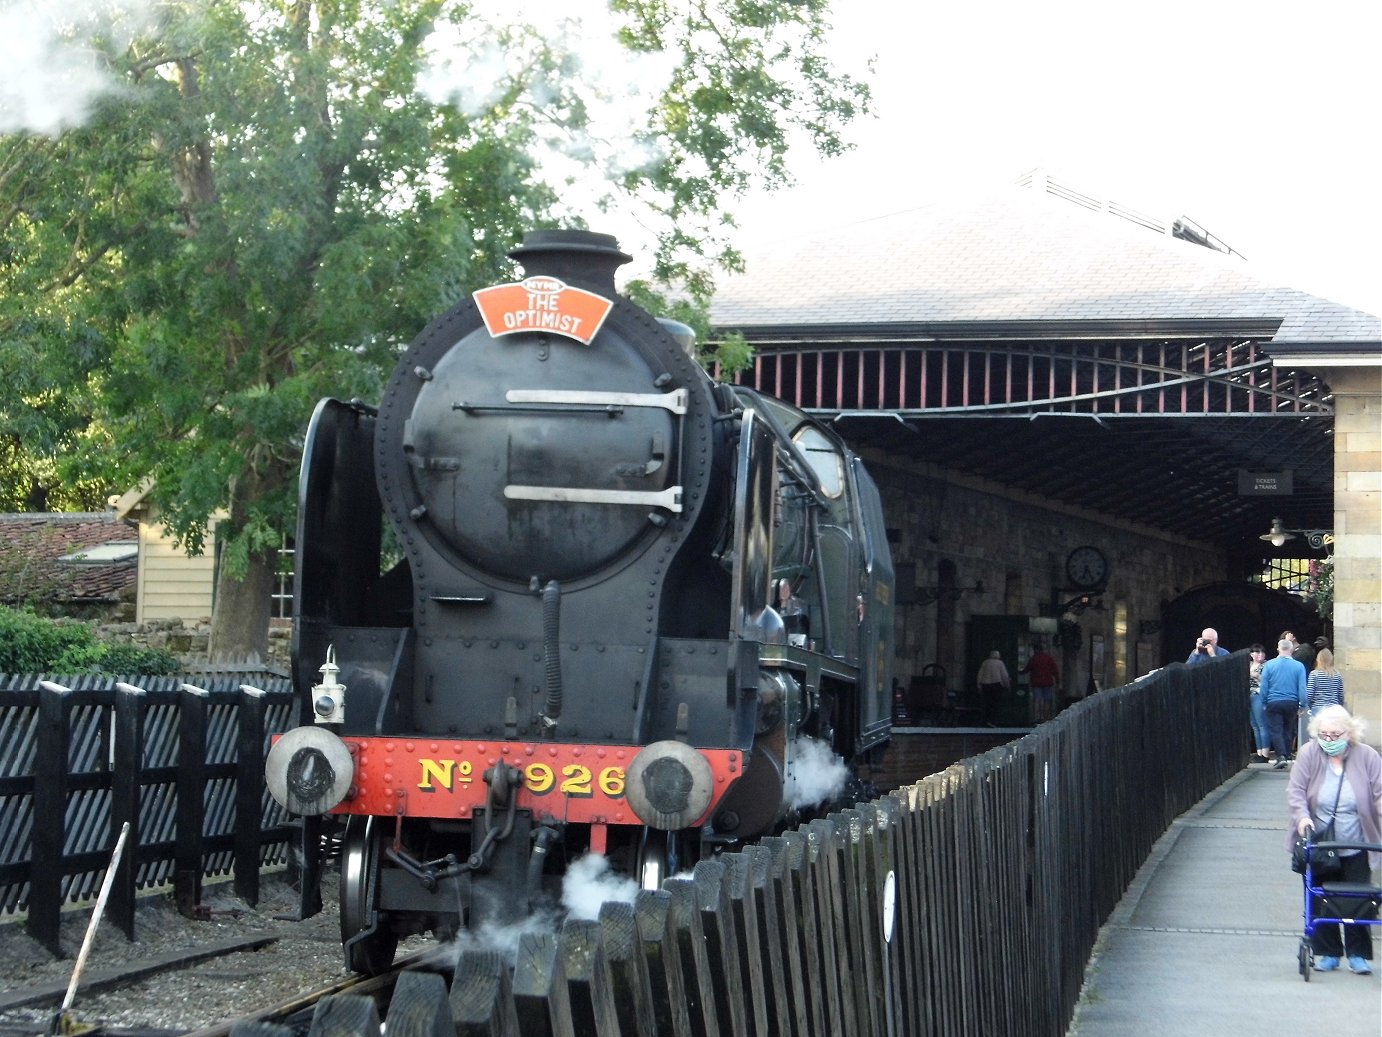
pixel 1335 763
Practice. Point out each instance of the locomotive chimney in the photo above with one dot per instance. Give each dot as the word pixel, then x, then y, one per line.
pixel 573 256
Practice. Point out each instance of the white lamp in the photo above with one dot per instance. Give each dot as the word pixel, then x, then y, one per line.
pixel 1278 534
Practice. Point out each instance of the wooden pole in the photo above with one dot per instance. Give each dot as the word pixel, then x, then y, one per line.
pixel 92 926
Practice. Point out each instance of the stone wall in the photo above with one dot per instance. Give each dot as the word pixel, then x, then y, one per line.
pixel 189 640
pixel 1358 541
pixel 1016 545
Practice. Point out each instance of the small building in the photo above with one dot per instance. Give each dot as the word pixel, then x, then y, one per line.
pixel 170 584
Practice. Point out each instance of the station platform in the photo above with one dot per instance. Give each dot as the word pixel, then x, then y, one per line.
pixel 1204 941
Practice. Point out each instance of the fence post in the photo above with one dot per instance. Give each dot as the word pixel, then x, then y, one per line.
pixel 126 785
pixel 823 877
pixel 539 988
pixel 191 786
pixel 628 966
pixel 753 958
pixel 481 996
pixel 689 946
pixel 671 1012
pixel 249 792
pixel 854 831
pixel 883 865
pixel 48 865
pixel 721 946
pixel 588 980
pixel 799 912
pixel 766 894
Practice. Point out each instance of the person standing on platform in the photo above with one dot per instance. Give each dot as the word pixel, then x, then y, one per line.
pixel 1338 778
pixel 1262 737
pixel 1044 674
pixel 1304 654
pixel 1284 698
pixel 993 680
pixel 1206 648
pixel 1325 685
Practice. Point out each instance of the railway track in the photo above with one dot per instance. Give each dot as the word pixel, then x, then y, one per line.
pixel 352 1006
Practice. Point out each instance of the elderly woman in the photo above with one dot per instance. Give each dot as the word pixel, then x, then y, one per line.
pixel 1338 777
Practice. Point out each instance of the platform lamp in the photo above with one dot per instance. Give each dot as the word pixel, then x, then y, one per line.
pixel 1279 534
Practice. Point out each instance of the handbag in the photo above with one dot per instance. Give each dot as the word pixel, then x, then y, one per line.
pixel 1325 863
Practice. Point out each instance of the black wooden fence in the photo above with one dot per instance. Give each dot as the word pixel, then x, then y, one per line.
pixel 967 903
pixel 181 763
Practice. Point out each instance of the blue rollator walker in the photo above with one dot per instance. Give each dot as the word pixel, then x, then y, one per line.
pixel 1348 903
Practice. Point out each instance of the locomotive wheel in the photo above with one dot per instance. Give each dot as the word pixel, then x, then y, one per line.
pixel 659 857
pixel 373 952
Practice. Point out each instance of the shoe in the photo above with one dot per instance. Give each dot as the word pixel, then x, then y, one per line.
pixel 1280 765
pixel 1358 965
pixel 1327 964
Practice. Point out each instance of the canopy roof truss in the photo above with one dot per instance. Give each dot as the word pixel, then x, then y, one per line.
pixel 1153 431
pixel 1186 377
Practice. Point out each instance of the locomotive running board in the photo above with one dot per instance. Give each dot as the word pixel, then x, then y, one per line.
pixel 674 401
pixel 669 498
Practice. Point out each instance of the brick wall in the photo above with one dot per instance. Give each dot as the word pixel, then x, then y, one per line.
pixel 914 753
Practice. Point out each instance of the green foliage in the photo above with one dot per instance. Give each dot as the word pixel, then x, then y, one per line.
pixel 117 660
pixel 274 198
pixel 31 644
pixel 1319 589
pixel 730 353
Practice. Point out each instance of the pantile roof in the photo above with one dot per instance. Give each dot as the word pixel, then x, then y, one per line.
pixel 41 553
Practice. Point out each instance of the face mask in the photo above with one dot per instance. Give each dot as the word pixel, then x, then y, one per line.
pixel 1335 746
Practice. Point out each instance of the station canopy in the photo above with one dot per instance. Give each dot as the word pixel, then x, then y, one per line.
pixel 1070 348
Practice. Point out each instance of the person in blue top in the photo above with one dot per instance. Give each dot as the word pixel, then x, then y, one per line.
pixel 1206 648
pixel 1284 698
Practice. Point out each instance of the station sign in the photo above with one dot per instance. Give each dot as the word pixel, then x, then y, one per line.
pixel 1265 484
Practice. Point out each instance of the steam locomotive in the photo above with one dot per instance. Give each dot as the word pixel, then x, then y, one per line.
pixel 612 604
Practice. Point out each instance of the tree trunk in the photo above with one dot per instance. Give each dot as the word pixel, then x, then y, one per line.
pixel 240 620
pixel 240 616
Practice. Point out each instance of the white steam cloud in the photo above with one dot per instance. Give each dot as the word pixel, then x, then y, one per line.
pixel 504 938
pixel 589 883
pixel 493 52
pixel 51 69
pixel 814 773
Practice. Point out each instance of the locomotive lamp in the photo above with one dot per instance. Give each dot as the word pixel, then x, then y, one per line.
pixel 669 785
pixel 328 697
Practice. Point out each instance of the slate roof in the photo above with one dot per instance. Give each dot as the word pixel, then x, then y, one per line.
pixel 1017 257
pixel 31 546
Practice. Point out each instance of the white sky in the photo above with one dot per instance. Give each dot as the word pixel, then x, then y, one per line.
pixel 1259 121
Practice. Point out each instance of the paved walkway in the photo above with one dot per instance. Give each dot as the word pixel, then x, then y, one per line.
pixel 1204 942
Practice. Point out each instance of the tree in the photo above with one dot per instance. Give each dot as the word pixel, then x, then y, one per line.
pixel 279 194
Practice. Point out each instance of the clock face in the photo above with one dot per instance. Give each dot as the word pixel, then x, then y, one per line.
pixel 1086 567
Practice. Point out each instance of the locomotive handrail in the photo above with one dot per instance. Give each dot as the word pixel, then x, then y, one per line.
pixel 669 498
pixel 674 401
